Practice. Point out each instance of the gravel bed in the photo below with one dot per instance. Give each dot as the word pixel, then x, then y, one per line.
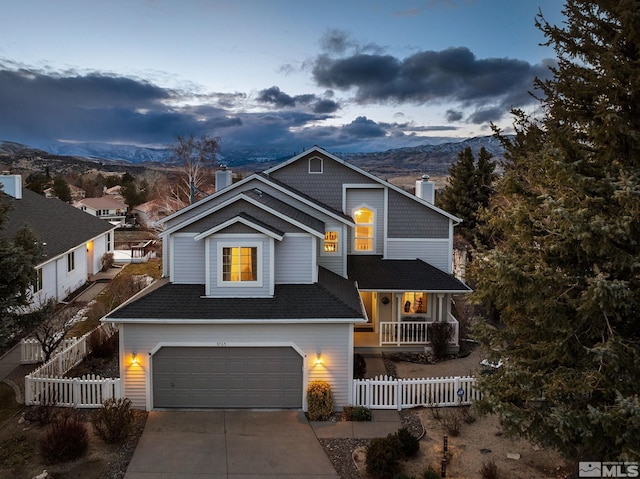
pixel 339 452
pixel 117 468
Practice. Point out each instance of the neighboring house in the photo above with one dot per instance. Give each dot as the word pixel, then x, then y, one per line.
pixel 107 208
pixel 113 192
pixel 276 280
pixel 73 243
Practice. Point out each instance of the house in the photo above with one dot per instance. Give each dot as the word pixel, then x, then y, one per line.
pixel 108 208
pixel 76 193
pixel 276 280
pixel 73 242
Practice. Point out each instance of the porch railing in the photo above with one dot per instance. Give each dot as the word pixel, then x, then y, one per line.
pixel 413 332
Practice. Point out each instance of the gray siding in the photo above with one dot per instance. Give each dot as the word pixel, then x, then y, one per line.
pixel 372 198
pixel 410 219
pixel 325 187
pixel 188 260
pixel 436 253
pixel 234 210
pixel 294 259
pixel 331 341
pixel 334 261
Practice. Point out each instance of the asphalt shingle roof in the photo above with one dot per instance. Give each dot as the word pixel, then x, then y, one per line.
pixel 371 272
pixel 333 297
pixel 61 226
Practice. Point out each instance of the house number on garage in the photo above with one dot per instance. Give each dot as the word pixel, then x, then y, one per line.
pixel 221 343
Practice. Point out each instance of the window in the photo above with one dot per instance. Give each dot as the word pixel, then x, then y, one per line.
pixel 108 242
pixel 363 239
pixel 240 264
pixel 414 303
pixel 71 261
pixel 37 281
pixel 331 242
pixel 315 165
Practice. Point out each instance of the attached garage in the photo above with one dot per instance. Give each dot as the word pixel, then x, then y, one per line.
pixel 227 377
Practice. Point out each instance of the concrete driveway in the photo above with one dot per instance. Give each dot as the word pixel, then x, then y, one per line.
pixel 238 444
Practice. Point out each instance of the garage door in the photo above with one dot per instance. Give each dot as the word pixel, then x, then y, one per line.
pixel 223 377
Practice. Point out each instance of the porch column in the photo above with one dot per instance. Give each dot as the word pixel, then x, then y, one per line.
pixel 398 316
pixel 440 296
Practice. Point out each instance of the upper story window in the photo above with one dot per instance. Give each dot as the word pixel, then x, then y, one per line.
pixel 239 264
pixel 331 242
pixel 365 223
pixel 315 165
pixel 71 261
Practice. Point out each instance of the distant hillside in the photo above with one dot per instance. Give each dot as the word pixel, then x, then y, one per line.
pixel 434 160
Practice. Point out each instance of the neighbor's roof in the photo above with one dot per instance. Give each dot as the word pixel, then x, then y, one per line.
pixel 103 203
pixel 61 226
pixel 332 297
pixel 371 272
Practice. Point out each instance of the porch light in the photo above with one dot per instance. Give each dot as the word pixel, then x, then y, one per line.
pixel 318 360
pixel 134 358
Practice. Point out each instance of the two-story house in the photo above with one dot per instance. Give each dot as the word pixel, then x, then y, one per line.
pixel 72 242
pixel 275 281
pixel 109 208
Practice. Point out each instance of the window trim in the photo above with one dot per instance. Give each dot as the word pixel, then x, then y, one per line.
pixel 336 241
pixel 313 172
pixel 71 261
pixel 38 283
pixel 372 225
pixel 221 245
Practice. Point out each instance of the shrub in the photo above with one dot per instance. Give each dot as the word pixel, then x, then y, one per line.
pixel 106 261
pixel 431 473
pixel 383 454
pixel 489 470
pixel 357 413
pixel 451 422
pixel 440 334
pixel 64 440
pixel 101 345
pixel 112 421
pixel 409 445
pixel 359 366
pixel 319 400
pixel 469 415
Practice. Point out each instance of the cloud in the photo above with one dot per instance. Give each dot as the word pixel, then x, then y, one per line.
pixel 451 75
pixel 279 99
pixel 454 115
pixel 362 127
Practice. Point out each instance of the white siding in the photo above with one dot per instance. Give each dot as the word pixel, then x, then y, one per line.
pixel 294 259
pixel 434 252
pixel 331 341
pixel 188 260
pixel 69 281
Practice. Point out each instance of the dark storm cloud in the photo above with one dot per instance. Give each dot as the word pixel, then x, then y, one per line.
pixel 279 99
pixel 362 127
pixel 451 75
pixel 454 115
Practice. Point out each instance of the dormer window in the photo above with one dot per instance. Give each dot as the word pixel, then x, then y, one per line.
pixel 363 240
pixel 315 165
pixel 239 264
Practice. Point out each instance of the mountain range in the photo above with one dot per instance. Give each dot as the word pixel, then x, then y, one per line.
pixel 428 158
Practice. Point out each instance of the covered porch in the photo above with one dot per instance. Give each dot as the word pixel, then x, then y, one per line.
pixel 403 299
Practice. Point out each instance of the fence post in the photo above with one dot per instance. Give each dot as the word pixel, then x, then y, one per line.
pixel 399 394
pixel 75 392
pixel 457 388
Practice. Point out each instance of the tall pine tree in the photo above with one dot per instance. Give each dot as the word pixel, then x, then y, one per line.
pixel 565 271
pixel 468 189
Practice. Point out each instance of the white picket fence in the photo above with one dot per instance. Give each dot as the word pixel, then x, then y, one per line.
pixel 386 392
pixel 47 385
pixel 31 350
pixel 85 392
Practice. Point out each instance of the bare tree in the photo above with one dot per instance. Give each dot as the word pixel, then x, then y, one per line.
pixel 194 157
pixel 48 324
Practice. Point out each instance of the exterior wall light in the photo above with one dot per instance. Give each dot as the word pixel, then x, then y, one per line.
pixel 134 358
pixel 318 360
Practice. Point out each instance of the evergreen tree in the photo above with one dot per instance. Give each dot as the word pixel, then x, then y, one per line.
pixel 565 270
pixel 468 189
pixel 61 189
pixel 18 256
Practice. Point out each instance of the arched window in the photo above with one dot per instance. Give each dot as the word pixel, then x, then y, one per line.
pixel 364 232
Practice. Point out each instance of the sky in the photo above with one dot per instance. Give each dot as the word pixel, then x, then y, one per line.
pixel 347 75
